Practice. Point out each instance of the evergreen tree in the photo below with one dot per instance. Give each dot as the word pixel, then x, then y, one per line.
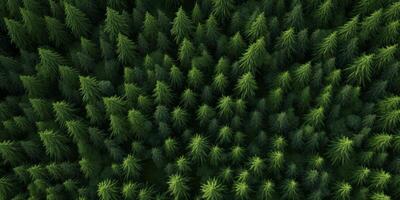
pixel 17 32
pixel 212 190
pixel 115 24
pixel 177 186
pixel 76 20
pixel 222 8
pixel 253 57
pixel 181 26
pixel 246 85
pixel 108 190
pixel 361 69
pixel 55 144
pixel 126 49
pixel 258 28
pixel 340 150
pixel 57 31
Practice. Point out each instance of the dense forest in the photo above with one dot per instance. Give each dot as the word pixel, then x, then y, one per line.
pixel 202 100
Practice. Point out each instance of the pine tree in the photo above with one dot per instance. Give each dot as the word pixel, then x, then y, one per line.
pixel 253 57
pixel 287 42
pixel 49 62
pixel 198 148
pixel 324 12
pixel 150 26
pixel 126 49
pixel 258 28
pixel 108 190
pixel 115 24
pixel 246 85
pixel 34 24
pixel 222 8
pixel 340 150
pixel 212 190
pixel 18 34
pixel 361 70
pixel 76 20
pixel 328 46
pixel 57 31
pixel 10 152
pixel 178 186
pixel 186 52
pixel 295 18
pixel 89 88
pixel 162 93
pixel 181 26
pixel 55 144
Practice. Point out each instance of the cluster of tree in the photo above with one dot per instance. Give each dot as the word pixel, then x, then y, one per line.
pixel 213 100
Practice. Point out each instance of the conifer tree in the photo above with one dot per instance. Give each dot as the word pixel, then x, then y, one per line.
pixel 76 20
pixel 258 28
pixel 222 8
pixel 361 69
pixel 186 51
pixel 181 26
pixel 17 32
pixel 89 88
pixel 212 190
pixel 214 99
pixel 57 31
pixel 340 150
pixel 55 144
pixel 246 85
pixel 253 57
pixel 34 24
pixel 287 42
pixel 126 49
pixel 177 186
pixel 108 190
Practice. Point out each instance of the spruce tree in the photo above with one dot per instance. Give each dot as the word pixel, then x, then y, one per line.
pixel 76 20
pixel 126 49
pixel 181 26
pixel 253 57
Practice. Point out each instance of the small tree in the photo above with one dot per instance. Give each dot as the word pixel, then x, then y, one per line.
pixel 76 20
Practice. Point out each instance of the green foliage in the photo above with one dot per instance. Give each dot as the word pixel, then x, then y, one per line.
pixel 115 23
pixel 107 190
pixel 212 190
pixel 258 28
pixel 126 49
pixel 76 20
pixel 253 56
pixel 17 32
pixel 131 166
pixel 178 186
pixel 340 150
pixel 222 8
pixel 55 144
pixel 214 99
pixel 246 85
pixel 181 26
pixel 361 70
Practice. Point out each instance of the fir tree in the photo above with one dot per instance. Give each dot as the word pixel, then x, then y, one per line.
pixel 115 24
pixel 17 32
pixel 246 85
pixel 222 8
pixel 258 28
pixel 177 186
pixel 212 190
pixel 126 49
pixel 181 26
pixel 76 20
pixel 108 190
pixel 253 57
